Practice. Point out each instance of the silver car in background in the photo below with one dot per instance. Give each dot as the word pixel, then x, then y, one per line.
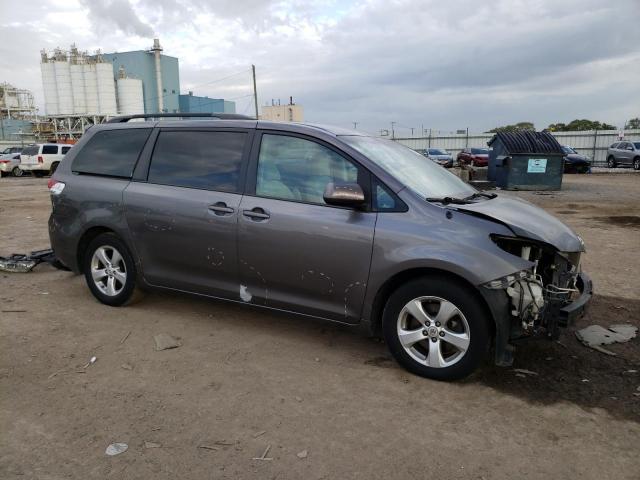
pixel 321 222
pixel 9 164
pixel 440 156
pixel 624 153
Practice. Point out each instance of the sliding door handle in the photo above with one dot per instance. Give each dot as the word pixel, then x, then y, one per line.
pixel 221 208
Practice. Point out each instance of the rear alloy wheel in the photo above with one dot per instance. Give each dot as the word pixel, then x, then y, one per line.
pixel 16 172
pixel 636 163
pixel 611 162
pixel 109 270
pixel 54 167
pixel 436 328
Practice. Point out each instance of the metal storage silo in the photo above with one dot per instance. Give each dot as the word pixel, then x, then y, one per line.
pixel 63 83
pixel 91 88
pixel 77 82
pixel 49 85
pixel 130 97
pixel 106 88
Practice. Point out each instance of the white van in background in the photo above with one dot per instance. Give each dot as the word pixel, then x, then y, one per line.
pixel 42 158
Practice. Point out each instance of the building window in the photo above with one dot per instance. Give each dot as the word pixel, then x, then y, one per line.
pixel 173 91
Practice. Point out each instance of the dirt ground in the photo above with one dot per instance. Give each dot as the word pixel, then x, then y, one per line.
pixel 244 379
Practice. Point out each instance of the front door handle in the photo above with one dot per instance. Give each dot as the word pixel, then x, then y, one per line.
pixel 221 208
pixel 256 213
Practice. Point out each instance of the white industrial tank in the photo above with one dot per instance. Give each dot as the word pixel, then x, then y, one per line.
pixel 130 98
pixel 49 88
pixel 106 89
pixel 63 86
pixel 91 88
pixel 78 89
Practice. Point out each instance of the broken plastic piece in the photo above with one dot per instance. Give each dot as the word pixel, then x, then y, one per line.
pixel 116 449
pixel 594 336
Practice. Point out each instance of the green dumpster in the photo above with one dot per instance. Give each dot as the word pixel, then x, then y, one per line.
pixel 526 160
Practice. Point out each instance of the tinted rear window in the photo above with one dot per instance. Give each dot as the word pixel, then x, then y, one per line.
pixel 112 152
pixel 480 151
pixel 614 145
pixel 32 150
pixel 49 149
pixel 65 149
pixel 206 160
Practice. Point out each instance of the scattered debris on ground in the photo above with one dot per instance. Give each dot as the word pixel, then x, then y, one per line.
pixel 165 342
pixel 264 454
pixel 126 366
pixel 524 371
pixel 91 361
pixel 116 449
pixel 594 336
pixel 303 454
pixel 152 445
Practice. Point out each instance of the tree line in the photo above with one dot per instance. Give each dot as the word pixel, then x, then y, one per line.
pixel 574 125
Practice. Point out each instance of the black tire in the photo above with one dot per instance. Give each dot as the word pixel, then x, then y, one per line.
pixel 54 167
pixel 16 172
pixel 611 162
pixel 128 291
pixel 636 163
pixel 466 302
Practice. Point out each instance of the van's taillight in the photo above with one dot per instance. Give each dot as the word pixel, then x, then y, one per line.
pixel 55 187
pixel 40 159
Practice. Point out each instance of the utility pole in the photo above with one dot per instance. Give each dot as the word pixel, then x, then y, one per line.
pixel 412 131
pixel 393 133
pixel 255 91
pixel 355 125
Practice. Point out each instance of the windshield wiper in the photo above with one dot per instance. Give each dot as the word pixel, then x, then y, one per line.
pixel 481 194
pixel 448 200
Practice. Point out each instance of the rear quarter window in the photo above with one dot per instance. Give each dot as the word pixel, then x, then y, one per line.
pixel 111 152
pixel 49 149
pixel 65 150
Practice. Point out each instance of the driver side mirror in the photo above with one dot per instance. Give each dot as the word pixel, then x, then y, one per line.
pixel 344 195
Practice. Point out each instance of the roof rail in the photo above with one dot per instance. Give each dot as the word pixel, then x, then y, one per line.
pixel 219 116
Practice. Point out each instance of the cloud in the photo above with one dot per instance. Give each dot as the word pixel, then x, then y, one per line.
pixel 105 14
pixel 444 65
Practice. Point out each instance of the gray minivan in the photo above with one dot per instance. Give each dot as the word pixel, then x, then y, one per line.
pixel 319 221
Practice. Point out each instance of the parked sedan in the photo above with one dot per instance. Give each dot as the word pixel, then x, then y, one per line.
pixel 9 165
pixel 624 153
pixel 574 162
pixel 476 157
pixel 440 156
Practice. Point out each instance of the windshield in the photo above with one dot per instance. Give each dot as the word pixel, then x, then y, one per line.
pixel 426 178
pixel 480 151
pixel 566 149
pixel 437 151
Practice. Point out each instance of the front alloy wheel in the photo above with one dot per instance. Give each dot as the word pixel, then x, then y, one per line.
pixel 433 331
pixel 437 327
pixel 611 162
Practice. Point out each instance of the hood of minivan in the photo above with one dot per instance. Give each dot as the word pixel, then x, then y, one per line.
pixel 527 220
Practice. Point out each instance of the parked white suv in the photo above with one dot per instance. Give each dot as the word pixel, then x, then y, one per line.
pixel 42 158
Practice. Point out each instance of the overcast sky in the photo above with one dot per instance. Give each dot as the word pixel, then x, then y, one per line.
pixel 446 65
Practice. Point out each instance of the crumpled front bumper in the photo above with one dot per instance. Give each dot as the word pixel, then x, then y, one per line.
pixel 569 313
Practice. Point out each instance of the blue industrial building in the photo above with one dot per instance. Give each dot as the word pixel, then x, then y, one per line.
pixel 141 64
pixel 193 104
